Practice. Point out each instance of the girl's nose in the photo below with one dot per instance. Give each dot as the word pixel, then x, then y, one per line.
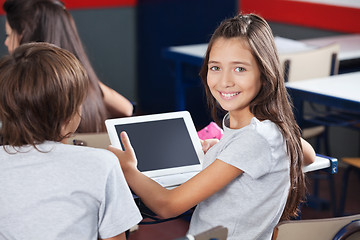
pixel 227 79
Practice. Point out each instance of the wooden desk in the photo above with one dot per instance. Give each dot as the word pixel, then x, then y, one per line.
pixel 338 91
pixel 349 45
pixel 349 54
pixel 322 162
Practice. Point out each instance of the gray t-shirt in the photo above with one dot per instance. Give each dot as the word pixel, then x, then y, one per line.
pixel 252 204
pixel 64 192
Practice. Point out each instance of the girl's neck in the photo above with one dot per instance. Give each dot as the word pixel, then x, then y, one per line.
pixel 240 120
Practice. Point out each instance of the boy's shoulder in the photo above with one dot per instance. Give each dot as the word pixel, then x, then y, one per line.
pixel 82 153
pixel 97 159
pixel 56 156
pixel 84 150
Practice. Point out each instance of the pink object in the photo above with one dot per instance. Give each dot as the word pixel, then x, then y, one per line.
pixel 210 131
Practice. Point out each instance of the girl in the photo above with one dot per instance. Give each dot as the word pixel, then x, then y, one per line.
pixel 253 176
pixel 49 21
pixel 51 190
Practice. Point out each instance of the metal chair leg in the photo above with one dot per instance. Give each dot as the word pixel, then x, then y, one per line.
pixel 332 193
pixel 344 190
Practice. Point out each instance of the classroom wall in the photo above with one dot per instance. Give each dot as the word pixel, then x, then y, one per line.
pixel 110 39
pixel 340 16
pixel 165 23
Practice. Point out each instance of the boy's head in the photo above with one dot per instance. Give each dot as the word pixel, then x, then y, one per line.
pixel 42 89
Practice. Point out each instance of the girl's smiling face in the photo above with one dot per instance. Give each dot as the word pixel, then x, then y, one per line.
pixel 233 75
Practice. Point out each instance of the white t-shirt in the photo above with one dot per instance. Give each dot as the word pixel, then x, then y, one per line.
pixel 63 192
pixel 252 204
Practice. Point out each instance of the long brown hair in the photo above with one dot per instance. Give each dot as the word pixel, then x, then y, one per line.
pixel 43 87
pixel 49 21
pixel 272 102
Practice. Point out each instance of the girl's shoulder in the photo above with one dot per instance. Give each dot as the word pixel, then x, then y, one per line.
pixel 258 134
pixel 266 128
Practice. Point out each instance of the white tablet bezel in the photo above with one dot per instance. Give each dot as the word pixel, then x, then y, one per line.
pixel 115 141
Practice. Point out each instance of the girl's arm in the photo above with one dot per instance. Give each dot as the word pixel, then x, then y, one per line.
pixel 170 203
pixel 308 151
pixel 116 104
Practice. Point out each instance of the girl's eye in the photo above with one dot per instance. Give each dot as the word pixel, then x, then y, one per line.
pixel 240 69
pixel 214 68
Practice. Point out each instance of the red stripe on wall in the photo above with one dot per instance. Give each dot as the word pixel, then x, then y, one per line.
pixel 76 4
pixel 342 19
pixel 91 4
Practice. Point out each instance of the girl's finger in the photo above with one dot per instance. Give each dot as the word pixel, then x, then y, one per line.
pixel 205 146
pixel 125 140
pixel 113 149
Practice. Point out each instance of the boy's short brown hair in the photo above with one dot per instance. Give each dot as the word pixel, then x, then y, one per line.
pixel 42 87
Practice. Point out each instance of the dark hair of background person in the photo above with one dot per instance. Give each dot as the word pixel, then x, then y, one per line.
pixel 49 21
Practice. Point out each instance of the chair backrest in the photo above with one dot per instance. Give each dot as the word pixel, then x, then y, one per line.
pixel 97 140
pixel 314 229
pixel 349 232
pixel 218 233
pixel 315 63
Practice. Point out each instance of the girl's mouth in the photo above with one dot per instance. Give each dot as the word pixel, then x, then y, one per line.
pixel 229 95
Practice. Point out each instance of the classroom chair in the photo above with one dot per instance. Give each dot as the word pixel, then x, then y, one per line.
pixel 97 140
pixel 339 228
pixel 353 165
pixel 216 233
pixel 299 66
pixel 315 63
